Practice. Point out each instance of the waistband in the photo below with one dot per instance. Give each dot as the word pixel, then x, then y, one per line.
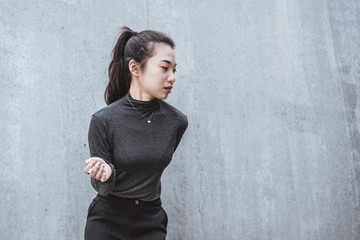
pixel 130 201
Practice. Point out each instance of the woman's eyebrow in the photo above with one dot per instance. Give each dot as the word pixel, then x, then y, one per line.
pixel 169 62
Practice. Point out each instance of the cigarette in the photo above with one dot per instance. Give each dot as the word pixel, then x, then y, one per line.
pixel 90 170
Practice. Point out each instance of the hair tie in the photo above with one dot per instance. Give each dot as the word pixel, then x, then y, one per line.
pixel 133 33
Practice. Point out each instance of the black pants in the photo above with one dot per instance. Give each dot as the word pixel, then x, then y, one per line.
pixel 111 218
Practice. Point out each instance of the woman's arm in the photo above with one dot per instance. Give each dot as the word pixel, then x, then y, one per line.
pixel 182 128
pixel 100 147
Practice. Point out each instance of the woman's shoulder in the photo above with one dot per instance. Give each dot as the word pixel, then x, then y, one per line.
pixel 174 111
pixel 109 111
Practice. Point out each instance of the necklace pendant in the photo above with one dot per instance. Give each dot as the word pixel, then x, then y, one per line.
pixel 148 121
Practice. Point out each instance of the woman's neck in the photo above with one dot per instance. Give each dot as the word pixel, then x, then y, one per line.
pixel 137 93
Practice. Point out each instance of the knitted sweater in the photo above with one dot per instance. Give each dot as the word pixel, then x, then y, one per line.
pixel 137 151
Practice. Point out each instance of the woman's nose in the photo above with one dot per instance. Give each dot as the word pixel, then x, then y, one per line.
pixel 171 78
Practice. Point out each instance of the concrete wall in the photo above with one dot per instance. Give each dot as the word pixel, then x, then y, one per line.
pixel 270 88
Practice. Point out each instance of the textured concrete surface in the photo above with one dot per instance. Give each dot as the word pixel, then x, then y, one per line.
pixel 271 90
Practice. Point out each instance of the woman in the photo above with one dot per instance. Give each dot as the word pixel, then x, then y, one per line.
pixel 133 139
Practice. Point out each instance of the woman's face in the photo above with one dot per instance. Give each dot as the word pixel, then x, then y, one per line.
pixel 158 73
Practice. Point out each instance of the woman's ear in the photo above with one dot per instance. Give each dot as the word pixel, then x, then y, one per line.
pixel 134 68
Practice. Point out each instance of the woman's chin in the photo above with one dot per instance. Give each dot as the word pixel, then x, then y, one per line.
pixel 162 96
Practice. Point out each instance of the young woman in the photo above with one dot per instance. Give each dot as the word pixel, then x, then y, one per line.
pixel 133 139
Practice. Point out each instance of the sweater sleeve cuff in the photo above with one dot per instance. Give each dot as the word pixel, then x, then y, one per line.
pixel 113 173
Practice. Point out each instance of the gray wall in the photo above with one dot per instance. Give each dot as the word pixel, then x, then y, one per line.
pixel 270 88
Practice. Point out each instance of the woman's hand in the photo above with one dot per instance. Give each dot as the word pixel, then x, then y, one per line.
pixel 100 169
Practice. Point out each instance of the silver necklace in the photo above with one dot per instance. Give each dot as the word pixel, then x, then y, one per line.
pixel 148 119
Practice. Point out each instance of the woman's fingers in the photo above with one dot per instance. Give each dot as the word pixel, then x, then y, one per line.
pixel 88 167
pixel 95 169
pixel 99 172
pixel 87 161
pixel 93 159
pixel 103 177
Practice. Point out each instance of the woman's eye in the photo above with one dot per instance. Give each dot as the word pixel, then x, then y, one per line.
pixel 174 71
pixel 165 68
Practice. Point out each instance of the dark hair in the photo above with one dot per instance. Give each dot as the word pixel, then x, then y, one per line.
pixel 131 45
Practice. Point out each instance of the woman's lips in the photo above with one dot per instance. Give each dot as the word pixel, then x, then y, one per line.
pixel 168 89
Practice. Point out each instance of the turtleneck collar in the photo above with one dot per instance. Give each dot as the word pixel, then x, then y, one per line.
pixel 142 105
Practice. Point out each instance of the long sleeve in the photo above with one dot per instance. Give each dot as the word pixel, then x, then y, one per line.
pixel 99 146
pixel 182 128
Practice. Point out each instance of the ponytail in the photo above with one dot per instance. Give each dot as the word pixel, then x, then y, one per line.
pixel 119 74
pixel 131 45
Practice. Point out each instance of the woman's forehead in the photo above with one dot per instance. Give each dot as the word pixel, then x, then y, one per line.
pixel 164 53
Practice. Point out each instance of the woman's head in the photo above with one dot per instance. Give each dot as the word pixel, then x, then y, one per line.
pixel 135 55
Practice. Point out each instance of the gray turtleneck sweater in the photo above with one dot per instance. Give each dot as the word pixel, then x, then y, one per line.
pixel 137 151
